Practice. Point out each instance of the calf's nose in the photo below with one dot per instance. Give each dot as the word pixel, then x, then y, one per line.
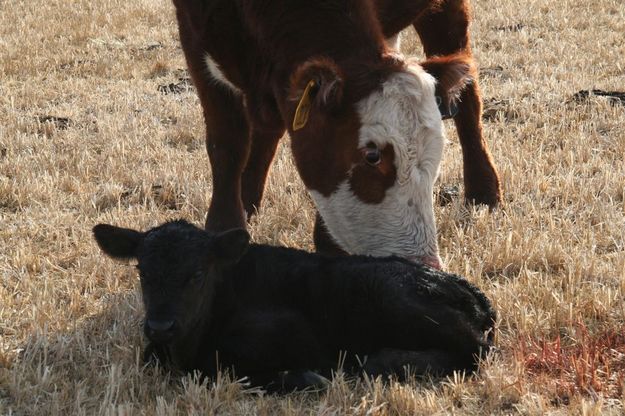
pixel 159 331
pixel 160 325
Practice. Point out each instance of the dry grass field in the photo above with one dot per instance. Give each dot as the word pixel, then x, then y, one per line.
pixel 87 136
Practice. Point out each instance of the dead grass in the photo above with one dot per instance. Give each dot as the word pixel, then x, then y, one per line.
pixel 120 150
pixel 586 364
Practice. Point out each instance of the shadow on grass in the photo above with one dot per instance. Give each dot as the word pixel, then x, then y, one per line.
pixel 97 367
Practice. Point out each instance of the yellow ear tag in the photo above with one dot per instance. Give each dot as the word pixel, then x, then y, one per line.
pixel 303 108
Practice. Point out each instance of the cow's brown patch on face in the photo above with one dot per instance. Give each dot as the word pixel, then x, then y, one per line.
pixel 324 150
pixel 326 147
pixel 370 182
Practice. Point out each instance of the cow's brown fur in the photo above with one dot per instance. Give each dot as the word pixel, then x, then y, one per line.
pixel 270 49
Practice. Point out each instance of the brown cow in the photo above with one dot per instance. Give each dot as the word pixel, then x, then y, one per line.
pixel 365 123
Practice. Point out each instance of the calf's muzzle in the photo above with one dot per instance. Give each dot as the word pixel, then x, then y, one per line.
pixel 160 331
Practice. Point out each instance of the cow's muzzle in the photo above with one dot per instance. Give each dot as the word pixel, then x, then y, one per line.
pixel 431 261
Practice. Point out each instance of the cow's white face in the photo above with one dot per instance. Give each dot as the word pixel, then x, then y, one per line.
pixel 369 152
pixel 384 207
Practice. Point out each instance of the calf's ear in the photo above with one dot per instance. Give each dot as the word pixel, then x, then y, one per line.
pixel 316 87
pixel 119 243
pixel 453 73
pixel 230 245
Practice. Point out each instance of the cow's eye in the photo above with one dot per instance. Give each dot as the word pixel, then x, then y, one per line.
pixel 371 154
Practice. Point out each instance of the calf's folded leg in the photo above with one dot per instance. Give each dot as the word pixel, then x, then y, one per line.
pixel 275 349
pixel 283 382
pixel 402 363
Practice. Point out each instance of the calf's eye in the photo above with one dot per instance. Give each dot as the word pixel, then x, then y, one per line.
pixel 371 154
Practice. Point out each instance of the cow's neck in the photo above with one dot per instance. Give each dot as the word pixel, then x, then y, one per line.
pixel 288 30
pixel 291 33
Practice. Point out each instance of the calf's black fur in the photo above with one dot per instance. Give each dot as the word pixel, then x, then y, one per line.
pixel 213 298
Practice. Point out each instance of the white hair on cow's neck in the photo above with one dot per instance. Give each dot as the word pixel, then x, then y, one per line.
pixel 402 113
pixel 218 76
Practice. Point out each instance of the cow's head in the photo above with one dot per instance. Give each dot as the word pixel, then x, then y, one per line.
pixel 179 267
pixel 368 143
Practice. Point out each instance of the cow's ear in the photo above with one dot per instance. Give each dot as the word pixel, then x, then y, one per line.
pixel 316 85
pixel 453 73
pixel 117 242
pixel 230 245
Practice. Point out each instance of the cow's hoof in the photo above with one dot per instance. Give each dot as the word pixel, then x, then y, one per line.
pixel 492 199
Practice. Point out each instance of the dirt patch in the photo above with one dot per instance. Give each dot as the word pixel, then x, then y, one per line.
pixel 446 194
pixel 497 72
pixel 614 97
pixel 499 109
pixel 517 27
pixel 182 86
pixel 60 123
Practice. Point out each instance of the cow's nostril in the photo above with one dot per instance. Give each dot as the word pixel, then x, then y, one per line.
pixel 160 326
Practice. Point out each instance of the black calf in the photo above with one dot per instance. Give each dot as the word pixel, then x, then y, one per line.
pixel 264 310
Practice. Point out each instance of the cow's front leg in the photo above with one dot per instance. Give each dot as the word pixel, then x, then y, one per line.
pixel 227 130
pixel 263 149
pixel 227 143
pixel 228 147
pixel 444 31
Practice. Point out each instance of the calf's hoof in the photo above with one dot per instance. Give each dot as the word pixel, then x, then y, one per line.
pixel 290 381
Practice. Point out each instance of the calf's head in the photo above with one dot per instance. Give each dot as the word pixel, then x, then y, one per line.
pixel 179 268
pixel 368 143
